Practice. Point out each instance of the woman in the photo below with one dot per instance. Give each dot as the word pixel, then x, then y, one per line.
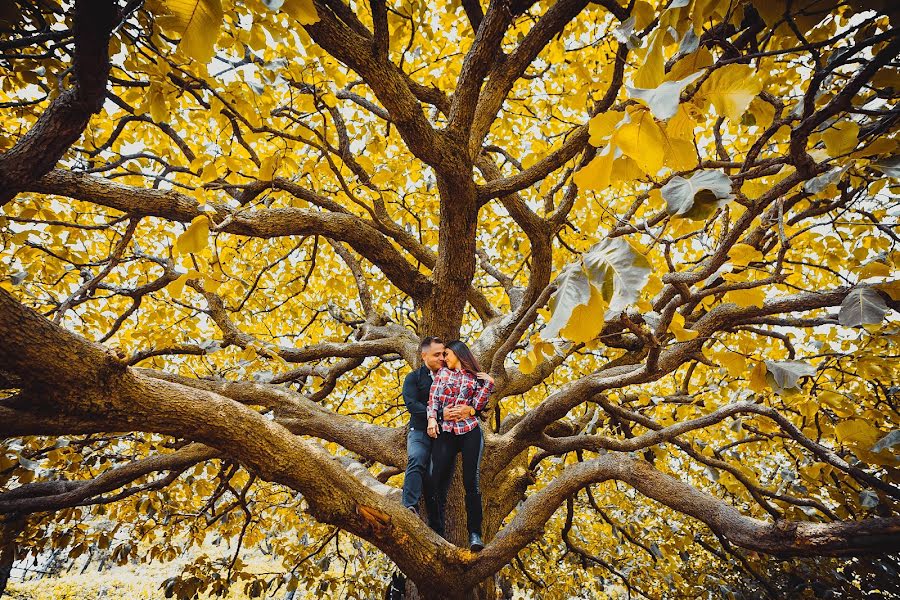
pixel 463 389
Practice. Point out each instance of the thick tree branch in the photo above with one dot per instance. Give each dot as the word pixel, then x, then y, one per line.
pixel 54 495
pixel 62 123
pixel 264 223
pixel 783 538
pixel 505 74
pixel 353 47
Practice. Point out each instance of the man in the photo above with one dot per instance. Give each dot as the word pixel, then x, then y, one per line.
pixel 418 444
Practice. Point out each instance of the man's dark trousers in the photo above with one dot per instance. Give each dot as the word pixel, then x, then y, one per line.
pixel 417 483
pixel 418 478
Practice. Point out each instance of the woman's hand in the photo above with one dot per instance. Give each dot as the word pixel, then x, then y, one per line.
pixel 485 377
pixel 432 428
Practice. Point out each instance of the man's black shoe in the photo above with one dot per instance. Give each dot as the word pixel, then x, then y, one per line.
pixel 476 544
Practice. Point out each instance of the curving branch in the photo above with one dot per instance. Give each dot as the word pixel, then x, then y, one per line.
pixel 782 538
pixel 505 73
pixel 264 223
pixel 54 495
pixel 352 45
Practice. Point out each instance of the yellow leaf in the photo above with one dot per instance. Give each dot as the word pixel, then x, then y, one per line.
pixel 743 254
pixel 703 10
pixel 763 112
pixel 211 285
pixel 682 125
pixel 875 269
pixel 883 146
pixel 543 349
pixel 651 73
pixel 267 169
pixel 891 288
pixel 643 14
pixel 302 10
pixel 625 169
pixel 841 138
pixel 381 177
pixel 209 173
pixel 690 64
pixel 654 284
pixel 195 238
pixel 733 362
pixel 159 110
pixel 198 22
pixel 680 155
pixel 586 320
pixel 809 409
pixel 857 431
pixel 680 227
pixel 527 364
pixel 752 297
pixel 642 140
pixel 596 174
pixel 601 126
pixel 176 287
pixel 682 334
pixel 757 381
pixel 731 89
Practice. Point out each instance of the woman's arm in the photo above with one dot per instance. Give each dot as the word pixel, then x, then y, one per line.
pixel 482 392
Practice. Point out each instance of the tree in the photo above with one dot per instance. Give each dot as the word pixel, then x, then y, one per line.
pixel 668 228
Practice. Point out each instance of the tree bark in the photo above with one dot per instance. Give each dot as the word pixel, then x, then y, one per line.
pixel 64 120
pixel 10 529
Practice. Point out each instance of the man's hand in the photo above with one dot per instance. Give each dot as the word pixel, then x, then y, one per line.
pixel 432 430
pixel 456 413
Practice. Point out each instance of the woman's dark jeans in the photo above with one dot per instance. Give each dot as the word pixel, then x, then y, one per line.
pixel 443 460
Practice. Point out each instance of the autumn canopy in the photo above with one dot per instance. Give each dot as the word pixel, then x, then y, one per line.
pixel 669 229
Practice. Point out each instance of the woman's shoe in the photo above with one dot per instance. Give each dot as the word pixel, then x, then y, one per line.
pixel 476 544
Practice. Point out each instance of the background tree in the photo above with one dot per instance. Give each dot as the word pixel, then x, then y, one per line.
pixel 669 228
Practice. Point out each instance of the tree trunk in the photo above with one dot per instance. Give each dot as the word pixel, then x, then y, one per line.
pixel 442 313
pixel 500 494
pixel 10 529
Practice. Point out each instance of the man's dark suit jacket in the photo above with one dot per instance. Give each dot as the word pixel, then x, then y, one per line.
pixel 416 387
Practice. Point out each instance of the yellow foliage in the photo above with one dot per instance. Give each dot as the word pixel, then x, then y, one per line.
pixel 742 255
pixel 642 140
pixel 757 379
pixel 198 22
pixel 682 334
pixel 587 319
pixel 746 297
pixel 733 362
pixel 730 90
pixel 596 174
pixel 651 72
pixel 195 238
pixel 841 138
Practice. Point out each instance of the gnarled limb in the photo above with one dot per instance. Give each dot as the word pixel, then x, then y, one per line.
pixel 64 120
pixel 265 223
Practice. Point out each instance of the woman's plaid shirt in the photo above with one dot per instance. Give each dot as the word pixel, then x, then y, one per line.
pixel 455 388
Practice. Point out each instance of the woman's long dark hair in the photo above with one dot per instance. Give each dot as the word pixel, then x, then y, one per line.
pixel 466 359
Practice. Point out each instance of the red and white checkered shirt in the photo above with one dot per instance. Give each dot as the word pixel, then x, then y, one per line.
pixel 456 388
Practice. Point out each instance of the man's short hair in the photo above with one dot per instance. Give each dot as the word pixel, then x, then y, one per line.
pixel 426 343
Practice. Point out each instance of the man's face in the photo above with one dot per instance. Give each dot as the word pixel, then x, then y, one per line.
pixel 433 356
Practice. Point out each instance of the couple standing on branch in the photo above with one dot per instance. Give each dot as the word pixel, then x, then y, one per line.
pixel 444 396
